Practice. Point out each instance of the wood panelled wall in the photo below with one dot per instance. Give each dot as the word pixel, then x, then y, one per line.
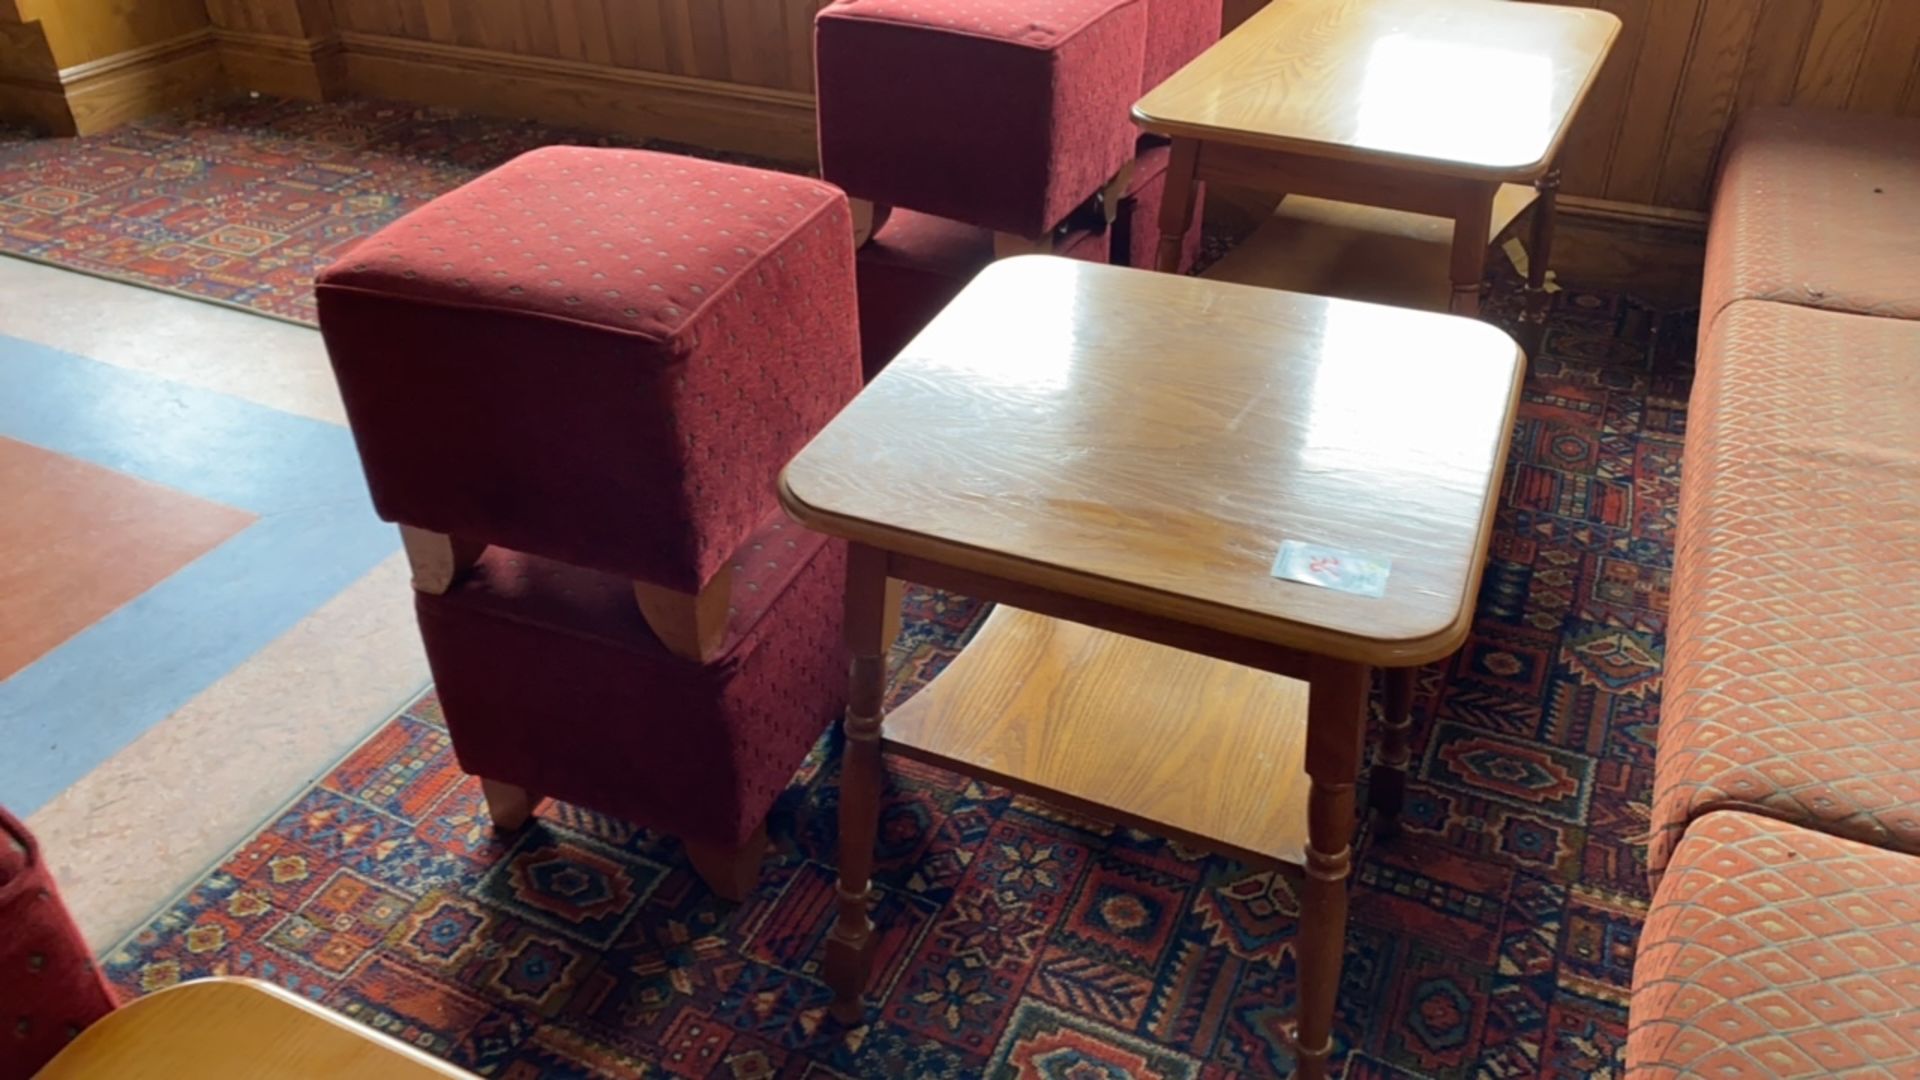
pixel 82 31
pixel 765 43
pixel 1682 69
pixel 1650 135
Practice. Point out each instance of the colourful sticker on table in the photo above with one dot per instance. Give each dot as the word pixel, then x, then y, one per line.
pixel 1330 568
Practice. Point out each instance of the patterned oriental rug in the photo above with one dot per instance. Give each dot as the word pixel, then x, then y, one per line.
pixel 1495 937
pixel 242 204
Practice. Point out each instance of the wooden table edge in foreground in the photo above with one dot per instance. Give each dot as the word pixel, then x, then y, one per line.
pixel 1334 736
pixel 237 1029
pixel 1460 190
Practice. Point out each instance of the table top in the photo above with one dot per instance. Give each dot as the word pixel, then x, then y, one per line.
pixel 1477 88
pixel 1148 441
pixel 236 1029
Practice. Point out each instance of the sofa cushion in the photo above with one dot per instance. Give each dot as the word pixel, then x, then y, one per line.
pixel 1005 115
pixel 1820 208
pixel 1793 671
pixel 1777 952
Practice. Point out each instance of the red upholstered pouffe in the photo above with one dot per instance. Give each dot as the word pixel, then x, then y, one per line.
pixel 1004 114
pixel 49 988
pixel 600 356
pixel 594 363
pixel 917 263
pixel 552 681
pixel 1177 31
pixel 1775 951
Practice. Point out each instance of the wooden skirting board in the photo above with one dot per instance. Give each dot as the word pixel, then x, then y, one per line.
pixel 725 116
pixel 1584 206
pixel 310 69
pixel 108 92
pixel 772 123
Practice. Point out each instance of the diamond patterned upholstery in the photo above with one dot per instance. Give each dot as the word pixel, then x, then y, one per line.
pixel 1777 952
pixel 1793 673
pixel 1820 208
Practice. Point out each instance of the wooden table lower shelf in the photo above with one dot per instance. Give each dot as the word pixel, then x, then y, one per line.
pixel 1328 248
pixel 1173 742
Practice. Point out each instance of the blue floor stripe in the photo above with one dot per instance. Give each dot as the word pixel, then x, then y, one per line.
pixel 80 704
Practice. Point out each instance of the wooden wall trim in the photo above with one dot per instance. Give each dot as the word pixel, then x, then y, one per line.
pixel 112 90
pixel 145 56
pixel 309 69
pixel 1586 206
pixel 726 116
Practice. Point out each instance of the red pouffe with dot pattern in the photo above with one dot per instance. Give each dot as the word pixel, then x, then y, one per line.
pixel 1006 114
pixel 968 117
pixel 575 382
pixel 50 989
pixel 916 264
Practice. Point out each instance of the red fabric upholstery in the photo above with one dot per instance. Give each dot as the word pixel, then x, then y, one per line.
pixel 1775 952
pixel 917 263
pixel 1793 661
pixel 551 680
pixel 597 362
pixel 1178 31
pixel 1817 207
pixel 600 356
pixel 1137 232
pixel 49 989
pixel 912 269
pixel 1006 114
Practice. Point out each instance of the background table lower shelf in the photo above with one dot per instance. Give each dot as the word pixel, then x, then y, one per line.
pixel 1330 248
pixel 1186 746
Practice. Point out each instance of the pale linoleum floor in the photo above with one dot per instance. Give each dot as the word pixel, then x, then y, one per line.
pixel 169 784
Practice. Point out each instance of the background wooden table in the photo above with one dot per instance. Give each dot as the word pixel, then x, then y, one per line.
pixel 1424 106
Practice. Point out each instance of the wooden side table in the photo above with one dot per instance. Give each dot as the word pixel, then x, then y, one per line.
pixel 237 1029
pixel 1117 456
pixel 1426 106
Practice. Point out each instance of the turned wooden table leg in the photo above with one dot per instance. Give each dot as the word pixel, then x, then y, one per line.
pixel 1387 787
pixel 1540 234
pixel 1539 256
pixel 1176 212
pixel 1336 740
pixel 1469 264
pixel 869 621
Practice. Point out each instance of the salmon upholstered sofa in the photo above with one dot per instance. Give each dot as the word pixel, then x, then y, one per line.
pixel 1784 938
